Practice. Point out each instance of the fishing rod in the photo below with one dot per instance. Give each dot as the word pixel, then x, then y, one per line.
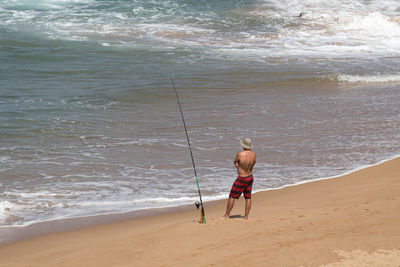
pixel 198 204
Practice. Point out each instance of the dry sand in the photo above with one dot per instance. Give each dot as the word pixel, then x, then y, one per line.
pixel 353 220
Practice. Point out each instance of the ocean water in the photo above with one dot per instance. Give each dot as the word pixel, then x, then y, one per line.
pixel 89 123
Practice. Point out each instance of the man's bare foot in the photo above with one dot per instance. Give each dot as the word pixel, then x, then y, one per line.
pixel 225 217
pixel 246 218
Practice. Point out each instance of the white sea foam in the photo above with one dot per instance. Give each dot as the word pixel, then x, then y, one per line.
pixel 324 29
pixel 6 205
pixel 4 159
pixel 8 208
pixel 334 30
pixel 369 78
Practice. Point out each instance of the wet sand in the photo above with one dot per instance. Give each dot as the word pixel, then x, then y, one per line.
pixel 353 220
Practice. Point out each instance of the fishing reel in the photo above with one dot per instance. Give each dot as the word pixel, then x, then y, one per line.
pixel 202 217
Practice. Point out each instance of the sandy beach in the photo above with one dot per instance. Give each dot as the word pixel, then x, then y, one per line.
pixel 353 220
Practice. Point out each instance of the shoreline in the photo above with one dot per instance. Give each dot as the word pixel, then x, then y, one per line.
pixel 13 234
pixel 332 177
pixel 352 217
pixel 16 233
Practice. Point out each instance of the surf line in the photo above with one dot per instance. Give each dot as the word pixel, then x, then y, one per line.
pixel 199 205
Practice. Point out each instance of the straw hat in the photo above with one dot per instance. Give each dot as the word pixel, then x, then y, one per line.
pixel 246 143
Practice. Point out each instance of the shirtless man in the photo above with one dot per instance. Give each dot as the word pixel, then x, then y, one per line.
pixel 244 163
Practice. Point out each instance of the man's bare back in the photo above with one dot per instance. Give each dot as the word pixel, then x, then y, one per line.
pixel 244 162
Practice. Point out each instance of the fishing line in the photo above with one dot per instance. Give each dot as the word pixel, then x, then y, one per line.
pixel 198 205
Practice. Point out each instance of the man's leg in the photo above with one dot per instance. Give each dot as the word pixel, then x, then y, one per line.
pixel 229 206
pixel 247 209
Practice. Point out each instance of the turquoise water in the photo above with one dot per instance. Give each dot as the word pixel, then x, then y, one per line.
pixel 90 125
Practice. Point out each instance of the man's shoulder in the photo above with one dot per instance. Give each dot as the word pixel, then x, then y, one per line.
pixel 240 153
pixel 246 152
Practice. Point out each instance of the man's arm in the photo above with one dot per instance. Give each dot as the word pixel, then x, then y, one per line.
pixel 237 160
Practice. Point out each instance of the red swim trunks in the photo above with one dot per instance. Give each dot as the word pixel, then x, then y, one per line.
pixel 242 185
